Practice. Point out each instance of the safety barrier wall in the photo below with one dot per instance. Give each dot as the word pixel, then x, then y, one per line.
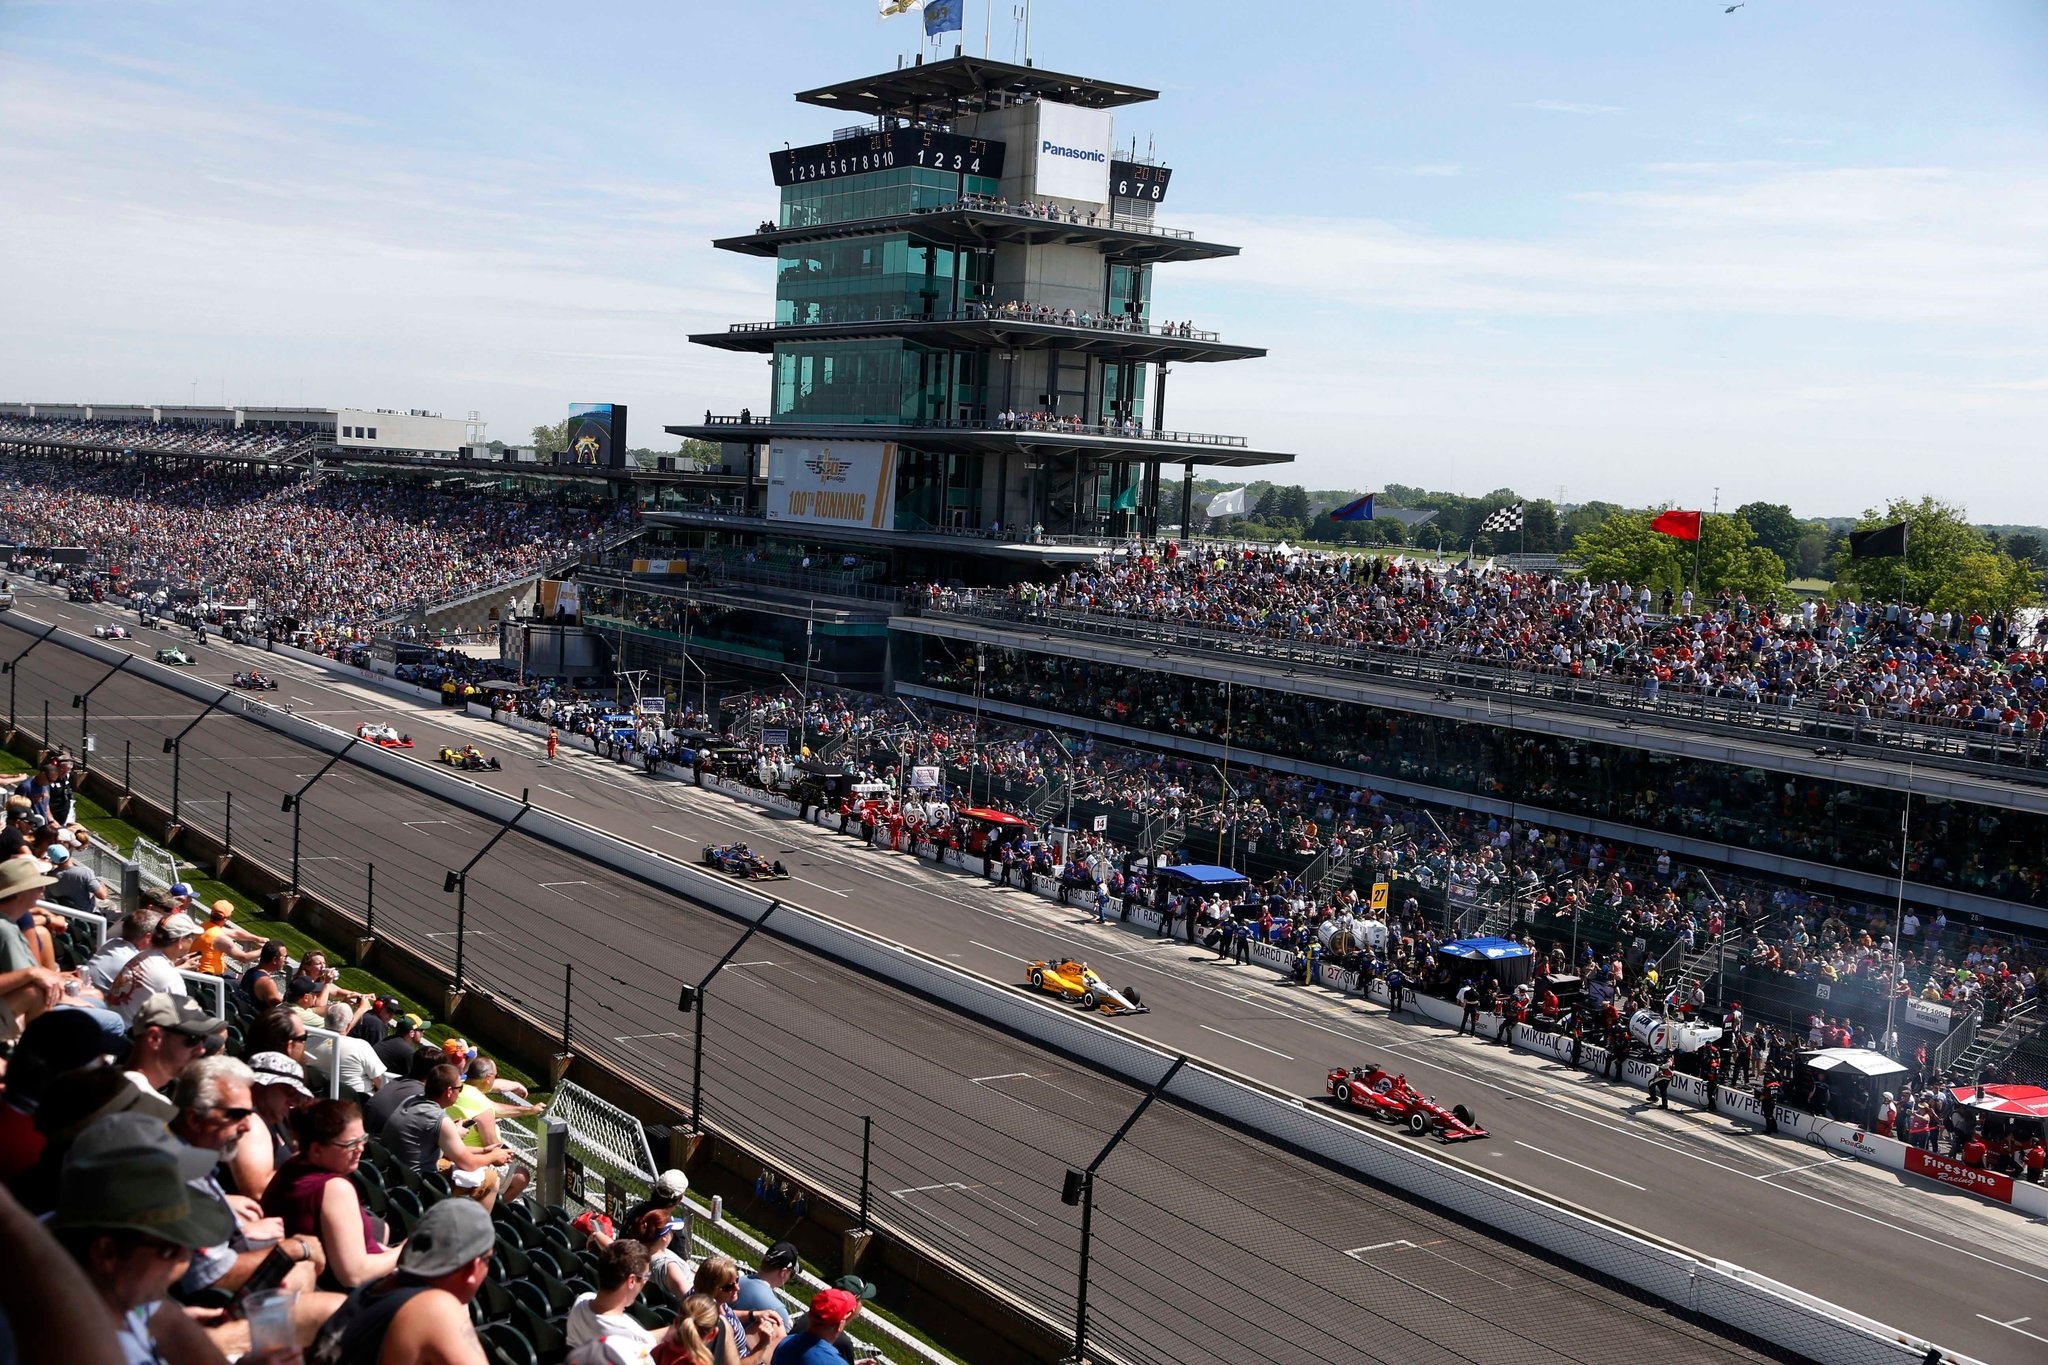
pixel 1714 1289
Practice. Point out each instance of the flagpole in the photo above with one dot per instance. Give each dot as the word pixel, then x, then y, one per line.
pixel 988 24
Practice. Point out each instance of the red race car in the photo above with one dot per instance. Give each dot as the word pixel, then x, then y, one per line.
pixel 1389 1098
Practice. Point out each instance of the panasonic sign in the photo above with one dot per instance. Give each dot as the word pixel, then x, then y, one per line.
pixel 1072 160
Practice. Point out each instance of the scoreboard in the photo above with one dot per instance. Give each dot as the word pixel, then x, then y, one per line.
pixel 1136 180
pixel 886 151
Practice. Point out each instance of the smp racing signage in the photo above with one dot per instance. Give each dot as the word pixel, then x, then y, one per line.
pixel 833 483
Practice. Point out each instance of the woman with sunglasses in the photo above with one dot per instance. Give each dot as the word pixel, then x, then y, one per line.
pixel 748 1337
pixel 312 1193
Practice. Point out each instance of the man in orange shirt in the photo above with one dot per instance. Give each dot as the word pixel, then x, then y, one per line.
pixel 220 942
pixel 553 741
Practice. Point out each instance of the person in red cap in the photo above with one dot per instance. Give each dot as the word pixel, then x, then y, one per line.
pixel 818 1343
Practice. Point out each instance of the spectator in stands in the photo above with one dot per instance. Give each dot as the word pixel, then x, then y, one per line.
pixel 279 1087
pixel 622 1270
pixel 362 1071
pixel 754 1335
pixel 277 1029
pixel 377 1113
pixel 26 987
pixel 761 1291
pixel 74 887
pixel 817 1343
pixel 419 1312
pixel 117 952
pixel 422 1135
pixel 311 1194
pixel 261 983
pixel 221 942
pixel 408 1035
pixel 45 1056
pixel 665 1197
pixel 214 1113
pixel 128 1217
pixel 169 1034
pixel 657 1229
pixel 374 1025
pixel 152 970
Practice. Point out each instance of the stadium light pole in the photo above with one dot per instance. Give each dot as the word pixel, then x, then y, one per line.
pixel 175 747
pixel 691 1001
pixel 82 703
pixel 293 800
pixel 14 677
pixel 458 882
pixel 1079 1188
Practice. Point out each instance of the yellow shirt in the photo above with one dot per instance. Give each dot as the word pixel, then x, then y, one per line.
pixel 213 947
pixel 468 1104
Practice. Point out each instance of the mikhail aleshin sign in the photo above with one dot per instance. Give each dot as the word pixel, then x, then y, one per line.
pixel 833 483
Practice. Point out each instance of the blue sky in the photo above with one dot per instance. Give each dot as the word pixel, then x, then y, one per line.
pixel 1636 251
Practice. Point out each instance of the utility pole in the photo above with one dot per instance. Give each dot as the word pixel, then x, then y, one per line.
pixel 691 1001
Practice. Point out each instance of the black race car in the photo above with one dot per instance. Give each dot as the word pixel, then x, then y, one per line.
pixel 737 860
pixel 255 682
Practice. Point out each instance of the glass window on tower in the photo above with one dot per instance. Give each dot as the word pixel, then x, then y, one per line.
pixel 878 194
pixel 884 381
pixel 1130 291
pixel 868 279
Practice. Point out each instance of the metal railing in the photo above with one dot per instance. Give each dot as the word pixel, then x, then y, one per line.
pixel 1036 315
pixel 1983 753
pixel 1053 214
pixel 1051 426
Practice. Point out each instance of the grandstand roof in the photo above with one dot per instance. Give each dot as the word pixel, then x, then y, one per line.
pixel 966 85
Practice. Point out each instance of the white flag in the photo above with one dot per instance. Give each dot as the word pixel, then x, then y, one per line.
pixel 891 8
pixel 1231 504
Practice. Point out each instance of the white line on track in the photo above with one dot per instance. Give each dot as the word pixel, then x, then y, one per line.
pixel 1811 1166
pixel 1358 1253
pixel 2013 1326
pixel 556 790
pixel 635 1037
pixel 1248 1043
pixel 1000 952
pixel 1595 1170
pixel 550 886
pixel 820 885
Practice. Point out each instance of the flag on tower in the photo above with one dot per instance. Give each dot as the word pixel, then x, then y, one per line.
pixel 1678 525
pixel 1230 504
pixel 944 16
pixel 1126 501
pixel 1507 518
pixel 1358 509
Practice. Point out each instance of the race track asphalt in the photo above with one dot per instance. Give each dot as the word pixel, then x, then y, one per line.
pixel 973 1129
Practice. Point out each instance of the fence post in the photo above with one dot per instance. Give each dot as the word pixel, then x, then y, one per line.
pixel 867 1138
pixel 227 840
pixel 369 900
pixel 44 737
pixel 127 768
pixel 568 994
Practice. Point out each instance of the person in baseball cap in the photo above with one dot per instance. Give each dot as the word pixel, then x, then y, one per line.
pixel 758 1291
pixel 168 1034
pixel 447 1256
pixel 817 1339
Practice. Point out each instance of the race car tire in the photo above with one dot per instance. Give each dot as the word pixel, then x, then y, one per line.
pixel 1132 996
pixel 1088 1000
pixel 1037 980
pixel 1345 1096
pixel 1418 1124
pixel 1463 1114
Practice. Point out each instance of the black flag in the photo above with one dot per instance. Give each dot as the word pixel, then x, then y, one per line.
pixel 1886 542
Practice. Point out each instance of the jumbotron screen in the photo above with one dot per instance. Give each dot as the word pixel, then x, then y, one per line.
pixel 597 435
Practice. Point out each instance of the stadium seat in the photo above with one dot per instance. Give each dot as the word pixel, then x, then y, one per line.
pixel 508 1345
pixel 559 1294
pixel 549 1343
pixel 543 1262
pixel 402 1210
pixel 370 1185
pixel 561 1244
pixel 515 1259
pixel 375 1151
pixel 434 1188
pixel 493 1301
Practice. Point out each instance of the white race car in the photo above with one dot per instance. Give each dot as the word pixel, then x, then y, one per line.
pixel 383 736
pixel 111 632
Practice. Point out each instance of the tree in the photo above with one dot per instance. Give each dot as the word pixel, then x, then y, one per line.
pixel 1949 564
pixel 551 440
pixel 1777 530
pixel 1624 548
pixel 1294 505
pixel 2025 546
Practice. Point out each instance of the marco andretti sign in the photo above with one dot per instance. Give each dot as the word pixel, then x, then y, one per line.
pixel 833 483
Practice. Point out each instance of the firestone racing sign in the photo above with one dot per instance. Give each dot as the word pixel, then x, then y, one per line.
pixel 833 483
pixel 1949 1171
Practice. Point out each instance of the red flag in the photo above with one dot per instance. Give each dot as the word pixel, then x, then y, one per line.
pixel 1682 525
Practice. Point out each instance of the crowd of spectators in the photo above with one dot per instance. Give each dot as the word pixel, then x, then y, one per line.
pixel 170 438
pixel 329 552
pixel 1897 661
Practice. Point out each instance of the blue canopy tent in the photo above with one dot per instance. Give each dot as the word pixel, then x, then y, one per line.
pixel 1510 963
pixel 1202 879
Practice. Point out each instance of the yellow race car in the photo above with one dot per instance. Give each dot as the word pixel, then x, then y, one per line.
pixel 1077 981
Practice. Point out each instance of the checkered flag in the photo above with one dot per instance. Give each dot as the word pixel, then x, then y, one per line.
pixel 1507 518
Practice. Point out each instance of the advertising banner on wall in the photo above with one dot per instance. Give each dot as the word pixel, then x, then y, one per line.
pixel 1070 158
pixel 833 483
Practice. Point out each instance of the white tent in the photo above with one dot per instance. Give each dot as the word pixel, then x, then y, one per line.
pixel 1855 1061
